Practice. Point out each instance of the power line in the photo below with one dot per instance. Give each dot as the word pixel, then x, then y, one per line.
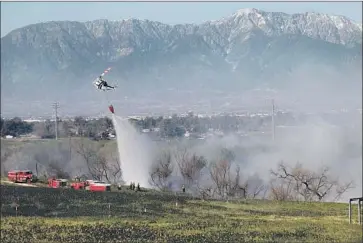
pixel 56 106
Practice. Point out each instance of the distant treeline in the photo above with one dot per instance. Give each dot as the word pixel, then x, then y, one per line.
pixel 174 126
pixel 15 127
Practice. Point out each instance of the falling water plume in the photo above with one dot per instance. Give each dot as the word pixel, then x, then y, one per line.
pixel 135 152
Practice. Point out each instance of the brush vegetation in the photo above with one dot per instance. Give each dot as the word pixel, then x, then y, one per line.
pixel 234 208
pixel 34 214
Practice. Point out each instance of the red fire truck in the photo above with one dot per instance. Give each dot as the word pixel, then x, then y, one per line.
pixel 90 185
pixel 99 186
pixel 21 176
pixel 79 184
pixel 57 183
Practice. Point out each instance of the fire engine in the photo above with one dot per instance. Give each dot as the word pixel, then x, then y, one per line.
pixel 57 183
pixel 21 176
pixel 79 185
pixel 99 186
pixel 90 185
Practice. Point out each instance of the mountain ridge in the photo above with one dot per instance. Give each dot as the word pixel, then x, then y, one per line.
pixel 247 48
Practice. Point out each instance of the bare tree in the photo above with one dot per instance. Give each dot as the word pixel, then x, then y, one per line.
pixel 310 185
pixel 100 166
pixel 218 173
pixel 190 166
pixel 255 187
pixel 162 170
pixel 115 169
pixel 106 168
pixel 281 190
pixel 227 183
pixel 88 152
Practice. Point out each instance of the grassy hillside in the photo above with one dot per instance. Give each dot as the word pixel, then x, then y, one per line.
pixel 62 215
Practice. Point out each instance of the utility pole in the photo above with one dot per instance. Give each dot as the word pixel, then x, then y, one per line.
pixel 273 120
pixel 56 106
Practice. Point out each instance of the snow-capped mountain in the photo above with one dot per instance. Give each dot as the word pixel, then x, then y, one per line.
pixel 330 28
pixel 246 47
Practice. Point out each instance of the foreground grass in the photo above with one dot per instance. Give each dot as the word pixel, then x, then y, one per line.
pixel 55 215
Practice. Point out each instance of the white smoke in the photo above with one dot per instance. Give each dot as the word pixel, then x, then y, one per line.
pixel 314 144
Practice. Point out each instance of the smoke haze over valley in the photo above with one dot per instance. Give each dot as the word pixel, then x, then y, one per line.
pixel 310 64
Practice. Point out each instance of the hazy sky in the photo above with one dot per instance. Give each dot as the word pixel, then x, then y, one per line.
pixel 18 14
